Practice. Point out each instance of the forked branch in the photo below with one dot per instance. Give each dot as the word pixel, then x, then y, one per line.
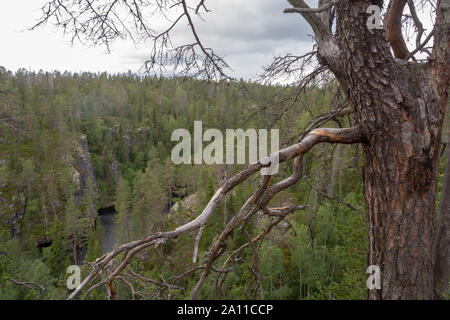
pixel 259 200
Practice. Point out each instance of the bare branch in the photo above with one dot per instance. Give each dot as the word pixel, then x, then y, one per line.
pixel 421 46
pixel 287 103
pixel 207 51
pixel 312 10
pixel 323 118
pixel 262 196
pixel 163 284
pixel 197 243
pixel 129 285
pixel 417 22
pixel 264 192
pixel 255 268
pixel 325 40
pixel 285 67
pixel 348 205
pixel 102 22
pixel 29 284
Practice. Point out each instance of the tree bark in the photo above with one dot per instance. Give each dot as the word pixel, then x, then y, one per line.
pixel 441 270
pixel 400 108
pixel 75 254
pixel 400 105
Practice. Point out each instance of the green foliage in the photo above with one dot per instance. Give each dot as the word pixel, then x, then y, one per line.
pixel 149 200
pixel 128 122
pixel 75 227
pixel 93 247
pixel 123 208
pixel 56 255
pixel 21 266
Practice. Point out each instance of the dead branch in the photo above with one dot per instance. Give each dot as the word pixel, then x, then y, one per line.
pixel 421 46
pixel 129 285
pixel 323 118
pixel 197 243
pixel 93 288
pixel 419 27
pixel 284 67
pixel 312 10
pixel 260 198
pixel 348 205
pixel 321 27
pixel 104 22
pixel 163 284
pixel 178 277
pixel 232 254
pixel 255 265
pixel 29 285
pixel 302 63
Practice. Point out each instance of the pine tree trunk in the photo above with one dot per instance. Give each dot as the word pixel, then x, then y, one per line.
pixel 401 111
pixel 400 199
pixel 75 257
pixel 441 271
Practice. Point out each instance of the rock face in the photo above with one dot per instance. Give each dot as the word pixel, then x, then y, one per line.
pixel 83 171
pixel 76 181
pixel 187 204
pixel 15 220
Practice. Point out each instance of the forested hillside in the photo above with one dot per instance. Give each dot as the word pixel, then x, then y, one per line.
pixel 72 145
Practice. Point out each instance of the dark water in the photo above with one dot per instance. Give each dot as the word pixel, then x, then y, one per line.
pixel 109 230
pixel 108 240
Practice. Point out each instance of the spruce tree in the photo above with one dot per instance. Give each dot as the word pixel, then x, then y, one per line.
pixel 74 226
pixel 122 218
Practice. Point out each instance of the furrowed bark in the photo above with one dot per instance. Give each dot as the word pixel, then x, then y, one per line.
pixel 441 271
pixel 440 75
pixel 400 105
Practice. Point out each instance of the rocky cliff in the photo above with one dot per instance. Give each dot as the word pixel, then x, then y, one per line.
pixel 83 170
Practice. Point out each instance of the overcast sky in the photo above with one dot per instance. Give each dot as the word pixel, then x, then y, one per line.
pixel 247 32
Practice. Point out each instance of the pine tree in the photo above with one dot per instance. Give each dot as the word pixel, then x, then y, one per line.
pixel 169 179
pixel 28 176
pixel 56 256
pixel 74 226
pixel 149 200
pixel 93 247
pixel 89 199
